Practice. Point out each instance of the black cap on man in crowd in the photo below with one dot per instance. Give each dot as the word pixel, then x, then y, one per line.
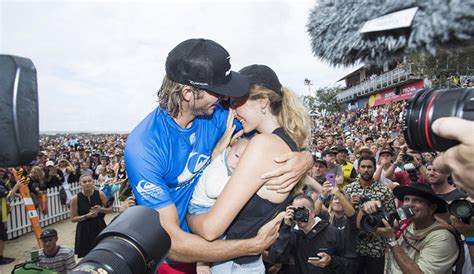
pixel 204 64
pixel 47 233
pixel 327 152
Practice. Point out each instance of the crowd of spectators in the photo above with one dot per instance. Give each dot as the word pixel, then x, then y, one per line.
pixel 62 160
pixel 341 142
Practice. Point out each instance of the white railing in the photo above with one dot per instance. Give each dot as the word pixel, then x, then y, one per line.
pixel 18 222
pixel 383 81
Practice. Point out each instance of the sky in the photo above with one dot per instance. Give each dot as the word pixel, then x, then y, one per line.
pixel 100 63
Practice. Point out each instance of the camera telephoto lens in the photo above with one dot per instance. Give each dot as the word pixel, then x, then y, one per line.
pixel 134 242
pixel 430 104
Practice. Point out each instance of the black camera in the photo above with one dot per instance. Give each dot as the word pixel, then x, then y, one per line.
pixel 370 223
pixel 406 158
pixel 411 170
pixel 428 105
pixel 134 242
pixel 462 209
pixel 301 214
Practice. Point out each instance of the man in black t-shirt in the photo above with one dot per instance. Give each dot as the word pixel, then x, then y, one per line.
pixel 439 184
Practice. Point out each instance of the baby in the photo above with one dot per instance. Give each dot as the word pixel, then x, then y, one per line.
pixel 213 180
pixel 215 177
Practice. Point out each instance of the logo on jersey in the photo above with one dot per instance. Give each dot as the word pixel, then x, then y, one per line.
pixel 193 166
pixel 149 192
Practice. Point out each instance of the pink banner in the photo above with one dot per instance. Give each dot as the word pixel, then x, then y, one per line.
pixel 389 95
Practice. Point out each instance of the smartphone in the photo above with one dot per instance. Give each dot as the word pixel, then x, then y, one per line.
pixel 331 177
pixel 315 257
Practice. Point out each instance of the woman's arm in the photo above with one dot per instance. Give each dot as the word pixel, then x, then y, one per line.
pixel 74 212
pixel 309 181
pixel 245 181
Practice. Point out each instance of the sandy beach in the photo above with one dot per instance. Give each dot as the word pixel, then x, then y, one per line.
pixel 21 247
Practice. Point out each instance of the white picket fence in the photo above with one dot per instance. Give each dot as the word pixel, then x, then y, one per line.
pixel 18 222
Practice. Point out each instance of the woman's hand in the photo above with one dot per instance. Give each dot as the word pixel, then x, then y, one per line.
pixel 327 187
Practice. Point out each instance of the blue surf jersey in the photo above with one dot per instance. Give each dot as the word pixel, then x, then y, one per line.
pixel 164 161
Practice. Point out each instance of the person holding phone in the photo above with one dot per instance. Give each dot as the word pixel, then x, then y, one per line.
pixel 316 246
pixel 334 174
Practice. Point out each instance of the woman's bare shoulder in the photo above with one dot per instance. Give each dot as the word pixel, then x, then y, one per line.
pixel 268 141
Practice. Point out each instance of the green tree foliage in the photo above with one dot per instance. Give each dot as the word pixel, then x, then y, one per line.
pixel 440 68
pixel 324 101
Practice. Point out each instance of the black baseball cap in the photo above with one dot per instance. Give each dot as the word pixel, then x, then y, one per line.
pixel 342 149
pixel 328 152
pixel 263 76
pixel 205 64
pixel 50 232
pixel 321 161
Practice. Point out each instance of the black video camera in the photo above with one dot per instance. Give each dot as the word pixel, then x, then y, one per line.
pixel 301 214
pixel 370 223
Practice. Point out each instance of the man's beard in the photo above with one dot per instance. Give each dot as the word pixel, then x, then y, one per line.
pixel 367 177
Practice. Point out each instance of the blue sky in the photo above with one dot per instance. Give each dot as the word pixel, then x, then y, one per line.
pixel 99 63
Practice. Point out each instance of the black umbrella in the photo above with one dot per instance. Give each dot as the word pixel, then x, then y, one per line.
pixel 338 35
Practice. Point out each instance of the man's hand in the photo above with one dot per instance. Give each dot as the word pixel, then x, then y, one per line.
pixel 384 162
pixel 323 262
pixel 284 178
pixel 387 231
pixel 290 211
pixel 371 207
pixel 355 199
pixel 465 229
pixel 268 233
pixel 399 159
pixel 129 202
pixel 458 160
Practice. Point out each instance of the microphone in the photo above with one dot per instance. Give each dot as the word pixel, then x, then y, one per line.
pixel 374 31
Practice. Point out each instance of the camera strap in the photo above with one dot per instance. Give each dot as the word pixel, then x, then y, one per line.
pixel 441 225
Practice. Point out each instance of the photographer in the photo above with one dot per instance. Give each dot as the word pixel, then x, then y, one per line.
pixel 317 247
pixel 370 247
pixel 413 170
pixel 444 190
pixel 426 245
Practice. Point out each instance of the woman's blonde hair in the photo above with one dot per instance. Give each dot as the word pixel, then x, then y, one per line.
pixel 37 174
pixel 292 115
